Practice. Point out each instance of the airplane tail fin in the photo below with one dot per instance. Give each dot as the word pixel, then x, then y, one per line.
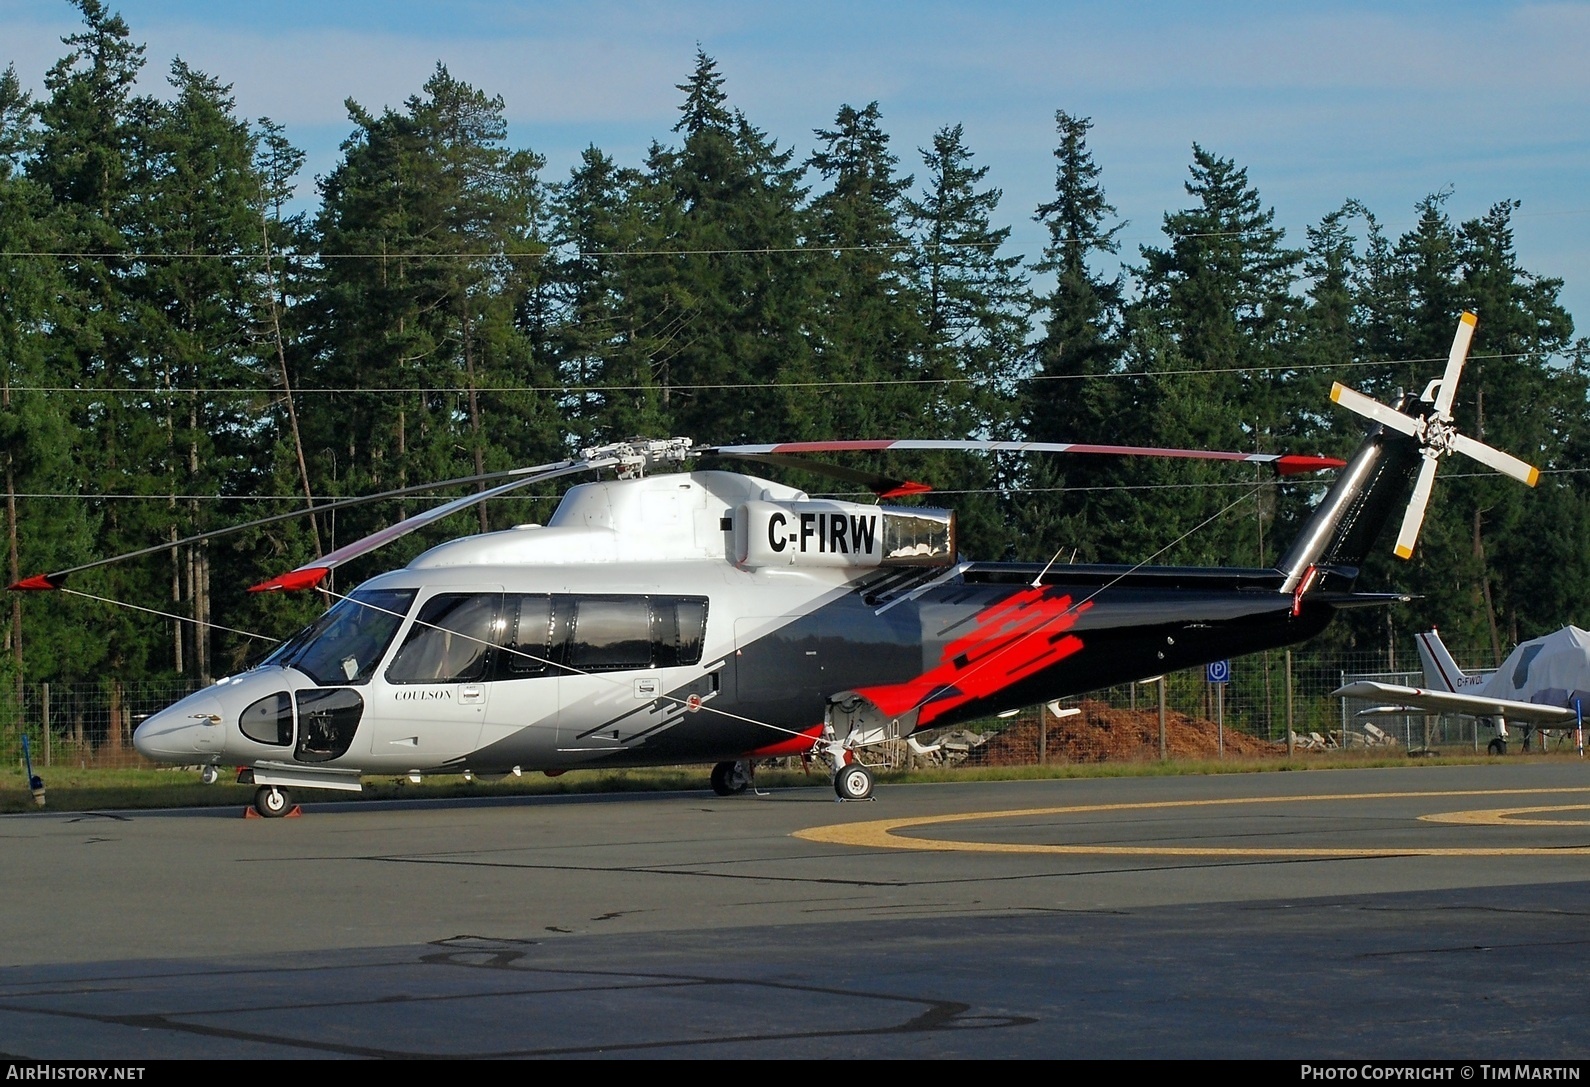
pixel 1372 488
pixel 1441 672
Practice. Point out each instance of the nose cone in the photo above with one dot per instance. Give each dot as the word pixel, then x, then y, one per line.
pixel 183 732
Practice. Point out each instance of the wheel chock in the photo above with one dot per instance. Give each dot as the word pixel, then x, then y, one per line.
pixel 296 811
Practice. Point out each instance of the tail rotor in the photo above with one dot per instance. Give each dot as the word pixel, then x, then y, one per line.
pixel 1435 433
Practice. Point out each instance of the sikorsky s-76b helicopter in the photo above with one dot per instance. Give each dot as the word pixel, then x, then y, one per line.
pixel 715 617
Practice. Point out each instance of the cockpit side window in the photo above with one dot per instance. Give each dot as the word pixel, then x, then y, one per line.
pixel 344 645
pixel 451 640
pixel 269 721
pixel 328 721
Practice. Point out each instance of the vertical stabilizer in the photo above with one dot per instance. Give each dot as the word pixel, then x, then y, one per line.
pixel 1370 490
pixel 1441 672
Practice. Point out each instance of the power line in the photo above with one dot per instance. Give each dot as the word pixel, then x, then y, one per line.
pixel 942 491
pixel 679 387
pixel 550 252
pixel 557 251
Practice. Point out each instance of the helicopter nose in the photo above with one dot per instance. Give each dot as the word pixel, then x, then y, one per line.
pixel 178 733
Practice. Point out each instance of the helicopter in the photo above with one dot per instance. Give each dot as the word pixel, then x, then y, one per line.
pixel 705 616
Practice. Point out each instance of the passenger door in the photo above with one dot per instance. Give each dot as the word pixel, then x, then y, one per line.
pixel 434 694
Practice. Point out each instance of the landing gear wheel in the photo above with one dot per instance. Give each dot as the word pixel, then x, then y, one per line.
pixel 853 783
pixel 1497 746
pixel 272 801
pixel 726 780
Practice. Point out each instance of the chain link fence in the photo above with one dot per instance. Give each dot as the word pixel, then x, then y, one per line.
pixel 83 724
pixel 1265 696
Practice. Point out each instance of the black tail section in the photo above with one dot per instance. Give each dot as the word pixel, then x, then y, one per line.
pixel 1370 491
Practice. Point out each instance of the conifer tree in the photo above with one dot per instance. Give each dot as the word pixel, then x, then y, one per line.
pixel 722 319
pixel 975 306
pixel 602 353
pixel 40 642
pixel 1213 328
pixel 1075 392
pixel 1488 554
pixel 91 161
pixel 867 317
pixel 198 310
pixel 427 228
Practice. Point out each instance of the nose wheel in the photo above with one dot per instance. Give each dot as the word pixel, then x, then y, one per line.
pixel 272 801
pixel 853 782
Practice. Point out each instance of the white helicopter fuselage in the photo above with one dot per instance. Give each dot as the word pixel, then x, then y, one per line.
pixel 548 647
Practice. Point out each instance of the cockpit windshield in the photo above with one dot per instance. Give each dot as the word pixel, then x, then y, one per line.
pixel 344 645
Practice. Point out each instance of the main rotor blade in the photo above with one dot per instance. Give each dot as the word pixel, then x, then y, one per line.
pixel 1505 463
pixel 1285 463
pixel 1454 367
pixel 310 574
pixel 882 486
pixel 1414 516
pixel 46 582
pixel 1373 409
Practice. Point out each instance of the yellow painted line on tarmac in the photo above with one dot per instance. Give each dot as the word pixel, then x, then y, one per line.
pixel 887 833
pixel 1510 817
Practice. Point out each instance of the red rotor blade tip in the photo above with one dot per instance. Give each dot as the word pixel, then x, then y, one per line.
pixel 1296 463
pixel 38 583
pixel 910 486
pixel 293 580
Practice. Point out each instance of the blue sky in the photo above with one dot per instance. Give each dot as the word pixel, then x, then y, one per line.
pixel 1385 102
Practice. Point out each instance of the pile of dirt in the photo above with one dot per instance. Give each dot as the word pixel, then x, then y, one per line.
pixel 1101 733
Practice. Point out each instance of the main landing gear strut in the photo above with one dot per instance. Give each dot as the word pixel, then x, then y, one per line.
pixel 852 781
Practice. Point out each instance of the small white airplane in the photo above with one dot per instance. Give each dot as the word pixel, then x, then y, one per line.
pixel 1544 683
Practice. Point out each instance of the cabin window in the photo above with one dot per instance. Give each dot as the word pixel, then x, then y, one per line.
pixel 527 629
pixel 450 640
pixel 345 644
pixel 610 632
pixel 679 626
pixel 466 637
pixel 269 721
